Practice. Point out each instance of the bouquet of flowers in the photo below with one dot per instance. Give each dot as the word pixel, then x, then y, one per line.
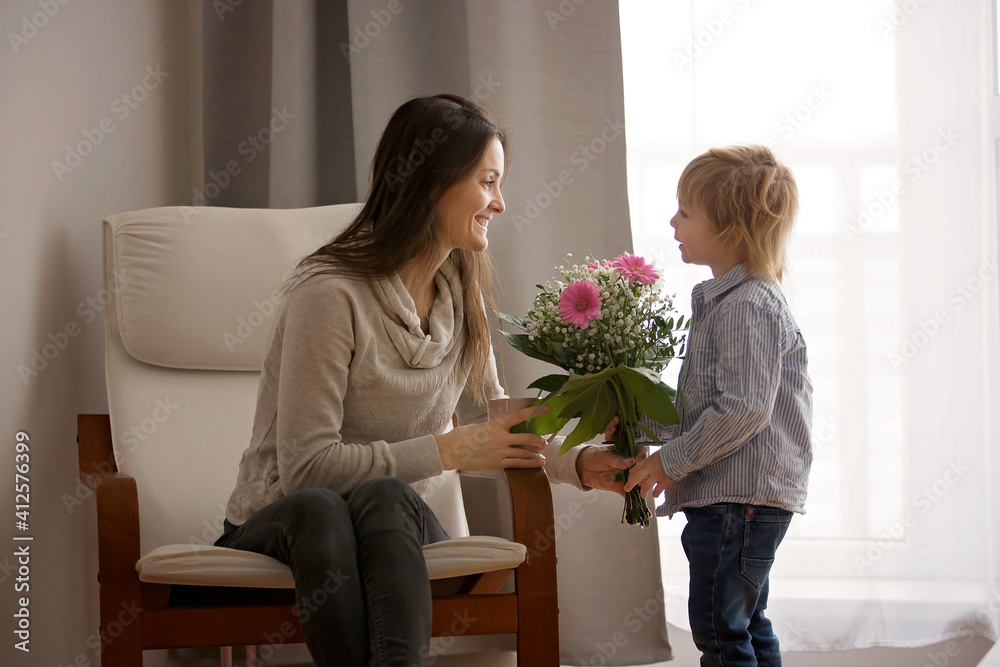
pixel 608 324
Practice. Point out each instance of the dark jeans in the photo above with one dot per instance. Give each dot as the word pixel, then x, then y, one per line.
pixel 730 548
pixel 361 583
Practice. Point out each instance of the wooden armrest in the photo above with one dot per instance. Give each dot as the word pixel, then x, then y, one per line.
pixel 95 449
pixel 118 552
pixel 117 514
pixel 118 535
pixel 534 527
pixel 531 506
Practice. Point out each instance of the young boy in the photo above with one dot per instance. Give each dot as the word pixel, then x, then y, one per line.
pixel 738 467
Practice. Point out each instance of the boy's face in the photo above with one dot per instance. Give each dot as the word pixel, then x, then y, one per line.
pixel 700 242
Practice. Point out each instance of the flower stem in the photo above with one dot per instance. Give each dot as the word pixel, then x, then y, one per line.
pixel 635 512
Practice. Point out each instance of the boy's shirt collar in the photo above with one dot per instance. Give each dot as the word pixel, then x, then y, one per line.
pixel 710 290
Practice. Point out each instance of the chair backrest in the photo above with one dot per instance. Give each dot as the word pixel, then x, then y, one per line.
pixel 190 296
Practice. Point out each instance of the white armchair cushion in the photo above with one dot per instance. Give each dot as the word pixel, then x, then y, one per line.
pixel 165 257
pixel 203 565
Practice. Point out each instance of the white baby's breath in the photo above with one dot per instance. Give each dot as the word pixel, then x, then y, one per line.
pixel 636 326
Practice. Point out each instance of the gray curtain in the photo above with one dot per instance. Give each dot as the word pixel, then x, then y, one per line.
pixel 552 73
pixel 276 105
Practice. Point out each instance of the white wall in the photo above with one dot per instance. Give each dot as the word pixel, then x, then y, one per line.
pixel 55 86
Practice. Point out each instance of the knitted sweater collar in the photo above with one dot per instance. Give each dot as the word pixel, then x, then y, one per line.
pixel 402 324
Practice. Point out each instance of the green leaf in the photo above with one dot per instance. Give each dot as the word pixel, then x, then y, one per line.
pixel 548 423
pixel 558 353
pixel 652 436
pixel 513 319
pixel 596 406
pixel 652 396
pixel 521 343
pixel 575 381
pixel 628 407
pixel 550 383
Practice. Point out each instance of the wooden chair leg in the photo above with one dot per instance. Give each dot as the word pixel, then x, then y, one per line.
pixel 535 579
pixel 121 640
pixel 537 633
pixel 118 546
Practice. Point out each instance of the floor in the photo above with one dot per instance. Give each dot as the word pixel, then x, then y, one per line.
pixel 959 654
pixel 944 654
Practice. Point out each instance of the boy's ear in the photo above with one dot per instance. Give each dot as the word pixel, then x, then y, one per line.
pixel 733 237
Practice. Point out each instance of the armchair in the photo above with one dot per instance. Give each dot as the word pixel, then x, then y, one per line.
pixel 192 291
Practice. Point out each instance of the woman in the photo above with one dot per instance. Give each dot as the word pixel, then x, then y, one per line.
pixel 380 339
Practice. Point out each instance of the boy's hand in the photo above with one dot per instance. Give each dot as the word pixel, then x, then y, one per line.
pixel 647 474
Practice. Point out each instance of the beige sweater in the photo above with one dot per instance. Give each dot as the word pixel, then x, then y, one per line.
pixel 352 389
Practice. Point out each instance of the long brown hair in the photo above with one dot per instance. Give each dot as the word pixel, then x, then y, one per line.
pixel 429 144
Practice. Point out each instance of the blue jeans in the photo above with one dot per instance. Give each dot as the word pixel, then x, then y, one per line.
pixel 730 548
pixel 361 584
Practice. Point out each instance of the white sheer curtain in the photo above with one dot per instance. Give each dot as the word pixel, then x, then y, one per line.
pixel 887 114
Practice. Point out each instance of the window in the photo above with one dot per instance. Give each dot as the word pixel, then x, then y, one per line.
pixel 878 107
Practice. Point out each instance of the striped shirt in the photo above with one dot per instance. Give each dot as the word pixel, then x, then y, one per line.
pixel 744 400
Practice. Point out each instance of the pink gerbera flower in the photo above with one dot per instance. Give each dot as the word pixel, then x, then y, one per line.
pixel 635 268
pixel 580 303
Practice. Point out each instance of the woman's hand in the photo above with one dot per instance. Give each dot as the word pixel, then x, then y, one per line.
pixel 491 446
pixel 598 466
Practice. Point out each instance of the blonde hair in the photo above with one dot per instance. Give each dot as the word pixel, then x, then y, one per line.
pixel 749 197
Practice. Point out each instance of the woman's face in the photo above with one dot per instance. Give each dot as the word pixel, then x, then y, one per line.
pixel 465 209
